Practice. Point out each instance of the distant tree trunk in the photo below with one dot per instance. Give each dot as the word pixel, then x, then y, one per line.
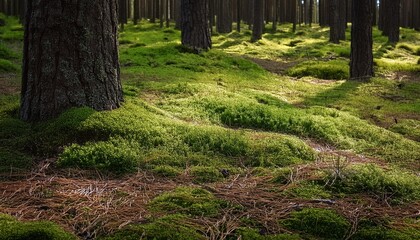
pixel 224 16
pixel 122 13
pixel 258 25
pixel 416 15
pixel 361 59
pixel 211 4
pixel 70 57
pixel 178 14
pixel 294 17
pixel 342 13
pixel 275 14
pixel 311 12
pixel 167 8
pixel 335 22
pixel 136 11
pixel 238 15
pixel 195 30
pixel 394 21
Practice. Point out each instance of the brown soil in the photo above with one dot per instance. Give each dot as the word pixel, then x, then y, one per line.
pixel 6 85
pixel 277 67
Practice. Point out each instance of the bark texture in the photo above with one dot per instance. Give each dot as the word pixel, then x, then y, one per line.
pixel 258 25
pixel 361 59
pixel 394 21
pixel 195 31
pixel 70 57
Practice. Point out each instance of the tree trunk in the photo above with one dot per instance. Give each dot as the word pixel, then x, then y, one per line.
pixel 122 13
pixel 394 21
pixel 238 15
pixel 275 14
pixel 136 11
pixel 195 31
pixel 224 16
pixel 361 59
pixel 258 25
pixel 70 57
pixel 311 12
pixel 335 22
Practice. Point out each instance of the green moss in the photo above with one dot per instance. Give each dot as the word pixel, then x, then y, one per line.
pixel 12 229
pixel 318 222
pixel 188 200
pixel 203 174
pixel 408 127
pixel 332 126
pixel 13 161
pixel 377 233
pixel 253 234
pixel 7 66
pixel 116 155
pixel 166 171
pixel 6 53
pixel 306 190
pixel 336 69
pixel 176 227
pixel 394 186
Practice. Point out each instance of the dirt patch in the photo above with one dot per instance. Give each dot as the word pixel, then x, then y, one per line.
pixel 277 67
pixel 402 76
pixel 7 86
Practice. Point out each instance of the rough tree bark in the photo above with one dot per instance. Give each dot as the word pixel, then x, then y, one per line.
pixel 258 25
pixel 70 57
pixel 195 31
pixel 224 16
pixel 394 21
pixel 361 59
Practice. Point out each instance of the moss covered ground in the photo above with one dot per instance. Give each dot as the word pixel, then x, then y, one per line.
pixel 264 140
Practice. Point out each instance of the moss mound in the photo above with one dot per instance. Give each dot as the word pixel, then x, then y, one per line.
pixel 318 222
pixel 11 229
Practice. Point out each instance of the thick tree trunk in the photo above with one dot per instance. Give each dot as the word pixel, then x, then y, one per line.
pixel 361 59
pixel 394 21
pixel 70 57
pixel 258 25
pixel 195 31
pixel 224 16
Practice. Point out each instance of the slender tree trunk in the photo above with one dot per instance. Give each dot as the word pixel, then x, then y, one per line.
pixel 258 25
pixel 238 15
pixel 195 30
pixel 70 57
pixel 311 12
pixel 122 13
pixel 294 17
pixel 167 10
pixel 342 19
pixel 361 59
pixel 275 14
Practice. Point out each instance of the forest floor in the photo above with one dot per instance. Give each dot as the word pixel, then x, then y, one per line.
pixel 263 140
